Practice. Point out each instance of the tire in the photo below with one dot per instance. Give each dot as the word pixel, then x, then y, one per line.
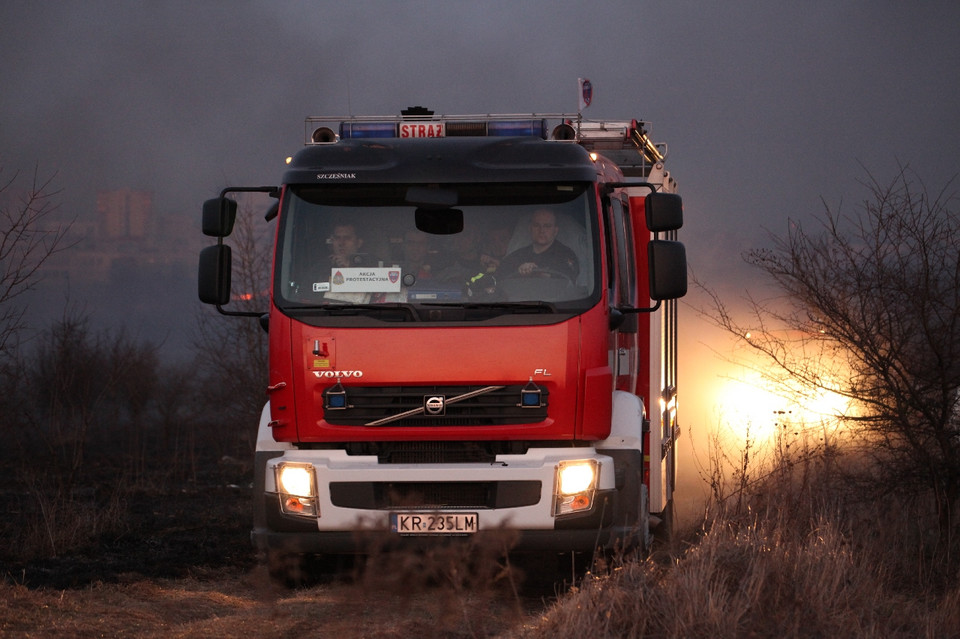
pixel 664 531
pixel 286 569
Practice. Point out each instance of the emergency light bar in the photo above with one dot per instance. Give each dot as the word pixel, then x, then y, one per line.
pixel 417 122
pixel 442 128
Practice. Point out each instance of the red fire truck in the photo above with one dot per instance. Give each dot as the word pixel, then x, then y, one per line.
pixel 472 328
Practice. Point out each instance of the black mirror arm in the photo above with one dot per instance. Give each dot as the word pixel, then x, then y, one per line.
pixel 630 309
pixel 608 187
pixel 272 191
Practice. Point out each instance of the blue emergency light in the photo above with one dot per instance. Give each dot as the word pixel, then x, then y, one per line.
pixel 536 128
pixel 368 129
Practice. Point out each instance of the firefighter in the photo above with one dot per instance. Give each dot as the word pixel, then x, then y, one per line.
pixel 345 247
pixel 545 256
pixel 416 255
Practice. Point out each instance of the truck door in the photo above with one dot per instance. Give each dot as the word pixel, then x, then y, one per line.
pixel 658 380
pixel 622 282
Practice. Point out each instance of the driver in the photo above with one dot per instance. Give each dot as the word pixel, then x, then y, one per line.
pixel 544 256
pixel 345 244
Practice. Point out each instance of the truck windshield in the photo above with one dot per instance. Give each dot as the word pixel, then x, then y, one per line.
pixel 356 249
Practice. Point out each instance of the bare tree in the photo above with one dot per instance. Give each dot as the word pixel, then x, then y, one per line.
pixel 871 310
pixel 28 237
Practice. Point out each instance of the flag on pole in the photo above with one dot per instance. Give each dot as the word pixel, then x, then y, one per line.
pixel 586 93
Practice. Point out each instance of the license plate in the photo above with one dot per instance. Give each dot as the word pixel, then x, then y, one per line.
pixel 434 523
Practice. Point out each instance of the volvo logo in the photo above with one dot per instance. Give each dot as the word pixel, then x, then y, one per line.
pixel 434 404
pixel 332 374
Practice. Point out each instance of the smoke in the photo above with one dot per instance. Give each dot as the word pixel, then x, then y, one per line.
pixel 765 108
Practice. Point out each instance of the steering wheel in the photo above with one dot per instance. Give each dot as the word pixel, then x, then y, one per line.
pixel 543 272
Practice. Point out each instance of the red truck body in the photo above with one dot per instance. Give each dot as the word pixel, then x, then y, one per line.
pixel 421 384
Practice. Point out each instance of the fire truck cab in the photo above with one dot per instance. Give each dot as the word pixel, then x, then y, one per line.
pixel 472 328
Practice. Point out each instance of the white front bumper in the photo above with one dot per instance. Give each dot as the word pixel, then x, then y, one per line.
pixel 538 464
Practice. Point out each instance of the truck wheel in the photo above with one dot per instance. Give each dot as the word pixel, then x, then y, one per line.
pixel 644 532
pixel 287 569
pixel 664 531
pixel 547 573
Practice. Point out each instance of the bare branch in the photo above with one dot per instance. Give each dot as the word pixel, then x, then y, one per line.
pixel 29 236
pixel 871 310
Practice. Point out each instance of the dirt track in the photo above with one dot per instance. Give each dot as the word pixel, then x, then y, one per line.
pixel 185 568
pixel 230 603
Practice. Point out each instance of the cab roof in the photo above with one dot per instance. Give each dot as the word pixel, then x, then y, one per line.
pixel 441 160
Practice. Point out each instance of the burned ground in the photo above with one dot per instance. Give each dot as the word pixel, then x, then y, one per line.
pixel 149 533
pixel 179 562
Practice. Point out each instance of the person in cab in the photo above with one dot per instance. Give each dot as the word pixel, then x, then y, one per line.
pixel 545 256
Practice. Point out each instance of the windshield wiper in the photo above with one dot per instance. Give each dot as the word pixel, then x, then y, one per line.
pixel 365 309
pixel 518 307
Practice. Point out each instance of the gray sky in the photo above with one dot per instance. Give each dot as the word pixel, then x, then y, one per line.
pixel 766 106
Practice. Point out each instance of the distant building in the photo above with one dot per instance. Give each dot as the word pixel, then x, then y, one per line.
pixel 125 239
pixel 125 215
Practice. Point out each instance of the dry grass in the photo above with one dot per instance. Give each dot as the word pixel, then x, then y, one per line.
pixel 785 562
pixel 46 521
pixel 790 549
pixel 751 581
pixel 799 555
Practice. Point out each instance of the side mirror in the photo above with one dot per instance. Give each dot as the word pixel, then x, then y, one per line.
pixel 219 214
pixel 213 282
pixel 668 269
pixel 664 212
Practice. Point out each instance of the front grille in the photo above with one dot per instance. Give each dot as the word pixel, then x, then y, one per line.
pixel 499 407
pixel 435 495
pixel 441 452
pixel 434 453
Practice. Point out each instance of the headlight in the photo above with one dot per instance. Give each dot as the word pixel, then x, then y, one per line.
pixel 295 480
pixel 576 485
pixel 295 484
pixel 576 477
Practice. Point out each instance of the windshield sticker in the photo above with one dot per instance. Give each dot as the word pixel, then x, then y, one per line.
pixel 365 280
